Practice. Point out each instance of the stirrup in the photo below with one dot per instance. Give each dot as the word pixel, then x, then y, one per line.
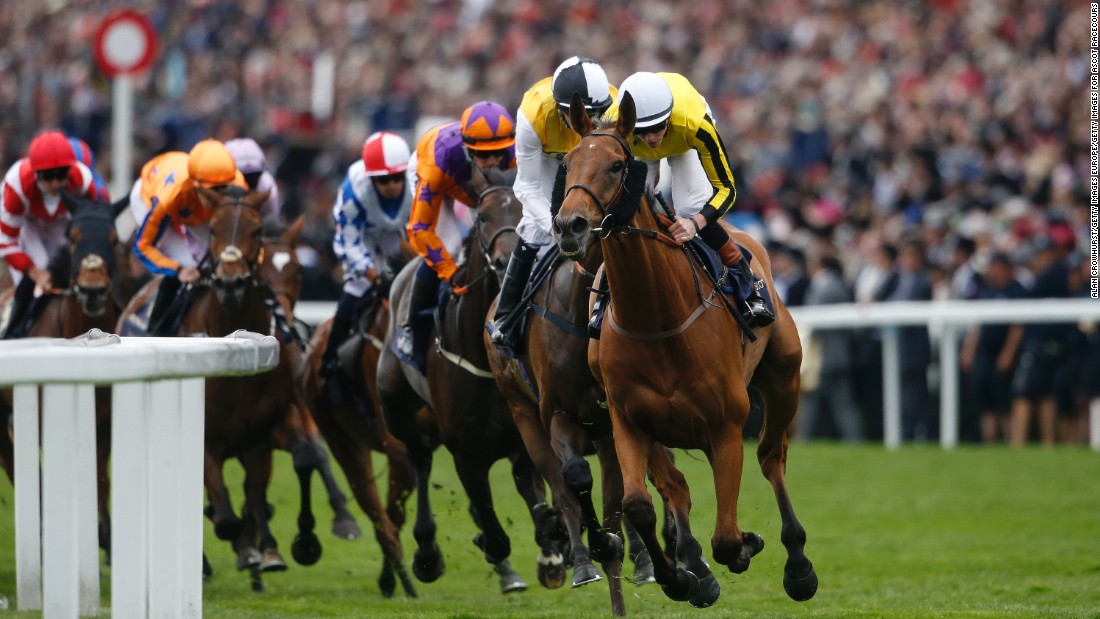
pixel 405 342
pixel 497 335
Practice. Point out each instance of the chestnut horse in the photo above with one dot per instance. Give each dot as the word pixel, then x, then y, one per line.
pixel 468 414
pixel 673 361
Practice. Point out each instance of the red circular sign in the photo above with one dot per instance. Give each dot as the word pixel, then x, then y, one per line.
pixel 125 43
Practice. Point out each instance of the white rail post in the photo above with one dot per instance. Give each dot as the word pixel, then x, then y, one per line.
pixel 164 499
pixel 891 388
pixel 949 386
pixel 191 492
pixel 60 589
pixel 28 497
pixel 1094 424
pixel 87 512
pixel 129 497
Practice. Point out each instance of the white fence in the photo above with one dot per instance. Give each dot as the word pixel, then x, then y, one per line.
pixel 947 320
pixel 156 467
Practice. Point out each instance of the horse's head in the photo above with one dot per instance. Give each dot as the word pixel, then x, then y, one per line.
pixel 498 213
pixel 279 266
pixel 609 180
pixel 93 243
pixel 236 231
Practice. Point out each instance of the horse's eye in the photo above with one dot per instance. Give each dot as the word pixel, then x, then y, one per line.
pixel 617 167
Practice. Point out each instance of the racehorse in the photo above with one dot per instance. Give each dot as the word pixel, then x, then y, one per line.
pixel 89 266
pixel 241 412
pixel 468 414
pixel 666 363
pixel 556 405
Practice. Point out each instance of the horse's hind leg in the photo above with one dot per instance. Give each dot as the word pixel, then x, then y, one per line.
pixel 612 521
pixel 633 450
pixel 343 523
pixel 306 548
pixel 777 378
pixel 473 472
pixel 549 533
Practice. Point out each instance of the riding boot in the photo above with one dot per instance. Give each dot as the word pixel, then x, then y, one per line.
pixel 500 328
pixel 740 275
pixel 424 290
pixel 166 295
pixel 335 386
pixel 20 308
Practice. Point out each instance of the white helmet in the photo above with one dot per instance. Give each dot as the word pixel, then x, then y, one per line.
pixel 385 153
pixel 652 98
pixel 247 154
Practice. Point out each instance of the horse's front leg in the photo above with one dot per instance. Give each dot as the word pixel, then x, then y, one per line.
pixel 606 546
pixel 612 520
pixel 257 476
pixel 731 548
pixel 633 449
pixel 227 526
pixel 306 548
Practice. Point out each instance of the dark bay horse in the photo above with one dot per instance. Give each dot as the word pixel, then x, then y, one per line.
pixel 467 412
pixel 673 363
pixel 88 267
pixel 241 412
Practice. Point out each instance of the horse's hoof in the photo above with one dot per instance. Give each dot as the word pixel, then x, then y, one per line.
pixel 585 574
pixel 510 582
pixel 608 549
pixel 551 571
pixel 800 588
pixel 306 548
pixel 428 564
pixel 248 558
pixel 346 528
pixel 270 512
pixel 708 593
pixel 228 529
pixel 751 544
pixel 272 561
pixel 387 583
pixel 683 587
pixel 643 569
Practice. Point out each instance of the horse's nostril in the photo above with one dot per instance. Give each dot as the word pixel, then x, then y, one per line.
pixel 557 225
pixel 578 225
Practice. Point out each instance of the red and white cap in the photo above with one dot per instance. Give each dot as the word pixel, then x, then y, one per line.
pixel 385 153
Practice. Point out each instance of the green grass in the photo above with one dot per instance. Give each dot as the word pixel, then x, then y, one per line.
pixel 976 532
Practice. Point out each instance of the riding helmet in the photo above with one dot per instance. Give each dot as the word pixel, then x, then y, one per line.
pixel 385 153
pixel 210 164
pixel 585 77
pixel 50 150
pixel 652 98
pixel 488 126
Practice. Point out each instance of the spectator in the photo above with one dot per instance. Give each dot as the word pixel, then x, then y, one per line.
pixel 913 284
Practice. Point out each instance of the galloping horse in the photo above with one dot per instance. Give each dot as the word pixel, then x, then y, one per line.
pixel 673 362
pixel 241 412
pixel 470 416
pixel 89 265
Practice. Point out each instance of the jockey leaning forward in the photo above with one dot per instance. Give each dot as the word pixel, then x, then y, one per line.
pixel 370 215
pixel 252 164
pixel 675 123
pixel 33 219
pixel 174 235
pixel 543 137
pixel 444 160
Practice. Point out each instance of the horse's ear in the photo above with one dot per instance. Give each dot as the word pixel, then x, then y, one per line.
pixel 578 116
pixel 295 230
pixel 71 202
pixel 211 197
pixel 256 200
pixel 478 181
pixel 628 116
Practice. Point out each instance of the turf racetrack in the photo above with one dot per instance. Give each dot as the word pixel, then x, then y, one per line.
pixel 977 532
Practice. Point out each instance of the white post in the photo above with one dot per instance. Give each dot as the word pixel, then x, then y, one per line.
pixel 1094 424
pixel 949 386
pixel 165 505
pixel 891 388
pixel 87 513
pixel 60 590
pixel 28 476
pixel 191 494
pixel 122 128
pixel 129 492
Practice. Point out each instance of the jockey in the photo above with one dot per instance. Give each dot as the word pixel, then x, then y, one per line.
pixel 444 160
pixel 370 213
pixel 252 164
pixel 173 237
pixel 33 219
pixel 675 122
pixel 543 137
pixel 85 155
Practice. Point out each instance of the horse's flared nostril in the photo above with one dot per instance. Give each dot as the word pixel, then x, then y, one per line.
pixel 578 225
pixel 558 227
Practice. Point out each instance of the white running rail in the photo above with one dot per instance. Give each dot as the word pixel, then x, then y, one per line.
pixel 156 467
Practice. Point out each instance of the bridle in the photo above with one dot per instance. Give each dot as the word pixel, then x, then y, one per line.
pixel 485 246
pixel 605 208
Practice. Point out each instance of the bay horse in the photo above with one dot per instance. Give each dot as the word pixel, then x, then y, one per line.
pixel 88 266
pixel 673 362
pixel 556 405
pixel 467 412
pixel 241 412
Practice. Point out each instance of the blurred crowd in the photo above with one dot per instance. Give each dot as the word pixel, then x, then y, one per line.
pixel 909 150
